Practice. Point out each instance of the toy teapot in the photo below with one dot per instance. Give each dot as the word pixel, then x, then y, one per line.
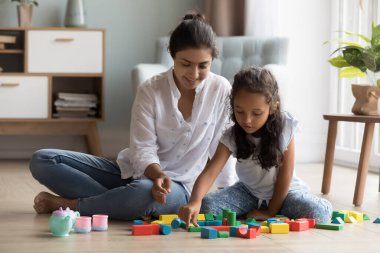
pixel 73 214
pixel 61 222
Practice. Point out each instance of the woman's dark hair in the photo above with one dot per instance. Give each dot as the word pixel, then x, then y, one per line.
pixel 259 80
pixel 192 32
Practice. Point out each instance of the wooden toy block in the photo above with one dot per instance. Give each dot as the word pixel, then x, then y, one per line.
pixel 223 234
pixel 337 220
pixel 280 216
pixel 176 223
pixel 202 223
pixel 279 228
pixel 225 220
pixel 351 219
pixel 249 233
pixel 147 229
pixel 264 229
pixel 225 211
pixel 250 220
pixel 264 223
pixel 209 216
pixel 165 229
pixel 238 223
pixel 312 222
pixel 284 219
pixel 336 227
pixel 138 222
pixel 220 228
pixel 253 224
pixel 201 216
pixel 214 223
pixel 167 218
pixel 299 225
pixel 233 231
pixel 366 217
pixel 219 217
pixel 209 233
pixel 231 218
pixel 195 229
pixel 377 220
pixel 156 222
pixel 357 215
pixel 340 214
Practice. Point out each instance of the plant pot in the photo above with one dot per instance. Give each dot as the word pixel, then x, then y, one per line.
pixel 24 14
pixel 366 102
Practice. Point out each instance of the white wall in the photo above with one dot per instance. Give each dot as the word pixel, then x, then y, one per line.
pixel 307 25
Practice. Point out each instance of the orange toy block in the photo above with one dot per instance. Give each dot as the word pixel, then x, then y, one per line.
pixel 249 233
pixel 312 222
pixel 220 228
pixel 299 225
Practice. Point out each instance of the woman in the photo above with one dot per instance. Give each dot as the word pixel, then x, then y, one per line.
pixel 177 119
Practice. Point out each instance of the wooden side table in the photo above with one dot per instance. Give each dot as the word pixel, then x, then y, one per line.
pixel 369 122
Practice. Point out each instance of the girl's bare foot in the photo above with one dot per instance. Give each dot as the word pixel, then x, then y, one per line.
pixel 46 202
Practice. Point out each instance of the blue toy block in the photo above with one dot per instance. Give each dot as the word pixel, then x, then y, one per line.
pixel 201 223
pixel 337 220
pixel 209 233
pixel 138 222
pixel 233 231
pixel 176 223
pixel 165 229
pixel 377 220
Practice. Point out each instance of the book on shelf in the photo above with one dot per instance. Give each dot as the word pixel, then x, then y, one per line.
pixel 6 39
pixel 77 96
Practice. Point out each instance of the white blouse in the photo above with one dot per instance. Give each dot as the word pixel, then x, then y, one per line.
pixel 159 133
pixel 259 181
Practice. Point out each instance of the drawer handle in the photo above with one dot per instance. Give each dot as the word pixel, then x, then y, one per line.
pixel 9 84
pixel 64 39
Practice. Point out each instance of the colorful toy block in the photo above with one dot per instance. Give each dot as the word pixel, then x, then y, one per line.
pixel 357 215
pixel 219 217
pixel 165 229
pixel 209 216
pixel 231 218
pixel 377 220
pixel 264 229
pixel 167 218
pixel 366 217
pixel 209 233
pixel 249 233
pixel 299 225
pixel 176 223
pixel 351 219
pixel 279 228
pixel 195 229
pixel 250 220
pixel 214 223
pixel 201 216
pixel 223 234
pixel 156 222
pixel 202 223
pixel 336 227
pixel 220 228
pixel 337 220
pixel 147 229
pixel 138 222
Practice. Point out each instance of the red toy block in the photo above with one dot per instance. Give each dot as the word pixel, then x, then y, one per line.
pixel 246 233
pixel 312 222
pixel 221 228
pixel 299 225
pixel 149 229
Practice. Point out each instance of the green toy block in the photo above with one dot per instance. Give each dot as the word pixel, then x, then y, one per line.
pixel 223 234
pixel 329 226
pixel 250 220
pixel 219 217
pixel 195 229
pixel 209 216
pixel 225 212
pixel 366 217
pixel 280 216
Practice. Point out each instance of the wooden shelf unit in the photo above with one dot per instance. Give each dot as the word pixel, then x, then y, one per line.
pixel 43 62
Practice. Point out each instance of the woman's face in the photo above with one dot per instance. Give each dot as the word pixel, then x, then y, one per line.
pixel 251 110
pixel 191 67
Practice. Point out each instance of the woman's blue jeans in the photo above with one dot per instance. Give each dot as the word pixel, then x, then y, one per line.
pixel 97 184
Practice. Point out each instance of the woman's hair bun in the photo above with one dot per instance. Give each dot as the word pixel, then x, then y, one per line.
pixel 194 15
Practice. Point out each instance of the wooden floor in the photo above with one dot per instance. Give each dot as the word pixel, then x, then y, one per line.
pixel 21 230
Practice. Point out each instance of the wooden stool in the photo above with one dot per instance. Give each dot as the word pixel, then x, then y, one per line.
pixel 364 153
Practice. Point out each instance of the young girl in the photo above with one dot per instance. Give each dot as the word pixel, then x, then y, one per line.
pixel 177 119
pixel 262 140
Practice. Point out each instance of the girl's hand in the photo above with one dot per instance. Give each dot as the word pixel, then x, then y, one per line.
pixel 161 187
pixel 259 214
pixel 189 213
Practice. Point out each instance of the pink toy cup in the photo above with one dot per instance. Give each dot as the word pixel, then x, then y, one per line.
pixel 83 224
pixel 100 222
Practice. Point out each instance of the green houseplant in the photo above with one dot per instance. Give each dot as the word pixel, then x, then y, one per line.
pixel 356 60
pixel 25 11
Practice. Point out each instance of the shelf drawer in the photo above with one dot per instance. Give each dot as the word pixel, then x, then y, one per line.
pixel 24 97
pixel 65 51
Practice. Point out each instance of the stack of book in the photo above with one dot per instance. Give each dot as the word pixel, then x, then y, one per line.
pixel 75 105
pixel 6 39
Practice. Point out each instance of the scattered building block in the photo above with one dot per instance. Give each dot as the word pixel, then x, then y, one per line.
pixel 209 233
pixel 231 218
pixel 209 216
pixel 279 228
pixel 214 223
pixel 337 220
pixel 250 220
pixel 201 216
pixel 377 220
pixel 146 229
pixel 195 229
pixel 225 211
pixel 299 225
pixel 329 226
pixel 312 222
pixel 249 233
pixel 264 229
pixel 366 217
pixel 220 228
pixel 202 223
pixel 357 215
pixel 340 214
pixel 223 234
pixel 165 229
pixel 156 222
pixel 167 218
pixel 351 219
pixel 219 217
pixel 138 222
pixel 176 223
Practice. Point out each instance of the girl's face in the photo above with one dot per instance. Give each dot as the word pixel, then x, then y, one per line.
pixel 191 67
pixel 251 110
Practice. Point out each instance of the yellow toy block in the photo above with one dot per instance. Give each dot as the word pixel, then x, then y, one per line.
pixel 167 218
pixel 351 219
pixel 201 217
pixel 264 223
pixel 264 229
pixel 357 215
pixel 279 228
pixel 156 222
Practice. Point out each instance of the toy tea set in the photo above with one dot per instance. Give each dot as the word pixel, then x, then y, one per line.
pixel 62 222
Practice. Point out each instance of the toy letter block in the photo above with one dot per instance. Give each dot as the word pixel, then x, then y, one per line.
pixel 279 228
pixel 299 225
pixel 209 233
pixel 329 226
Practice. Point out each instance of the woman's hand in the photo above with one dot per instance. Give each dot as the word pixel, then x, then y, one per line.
pixel 189 213
pixel 161 187
pixel 259 214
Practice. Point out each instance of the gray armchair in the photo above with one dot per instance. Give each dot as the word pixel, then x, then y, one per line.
pixel 234 53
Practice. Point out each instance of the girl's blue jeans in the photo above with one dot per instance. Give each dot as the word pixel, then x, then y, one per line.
pixel 297 204
pixel 97 184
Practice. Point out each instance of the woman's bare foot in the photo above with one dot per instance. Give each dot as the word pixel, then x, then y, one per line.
pixel 46 202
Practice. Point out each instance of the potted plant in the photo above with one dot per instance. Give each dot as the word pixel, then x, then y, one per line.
pixel 24 11
pixel 356 60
